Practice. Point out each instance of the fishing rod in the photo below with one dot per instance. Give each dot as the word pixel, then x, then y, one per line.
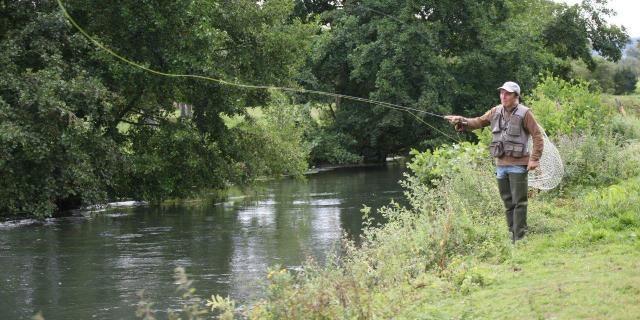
pixel 251 86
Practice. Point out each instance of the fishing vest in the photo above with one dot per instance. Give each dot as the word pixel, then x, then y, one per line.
pixel 509 137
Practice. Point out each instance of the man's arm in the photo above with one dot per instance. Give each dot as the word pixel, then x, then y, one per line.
pixel 463 123
pixel 531 125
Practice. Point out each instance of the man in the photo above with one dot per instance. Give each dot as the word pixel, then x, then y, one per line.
pixel 511 125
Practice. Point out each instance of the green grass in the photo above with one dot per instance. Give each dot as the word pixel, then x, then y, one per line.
pixel 582 261
pixel 594 282
pixel 630 103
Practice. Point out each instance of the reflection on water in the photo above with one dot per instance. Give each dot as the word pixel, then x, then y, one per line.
pixel 80 268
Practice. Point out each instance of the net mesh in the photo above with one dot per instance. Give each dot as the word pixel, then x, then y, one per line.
pixel 551 169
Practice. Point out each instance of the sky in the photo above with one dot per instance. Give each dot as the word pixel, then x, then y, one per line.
pixel 627 14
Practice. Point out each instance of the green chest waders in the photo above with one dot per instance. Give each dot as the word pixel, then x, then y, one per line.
pixel 513 191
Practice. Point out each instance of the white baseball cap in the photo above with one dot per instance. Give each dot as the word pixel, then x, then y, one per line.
pixel 511 87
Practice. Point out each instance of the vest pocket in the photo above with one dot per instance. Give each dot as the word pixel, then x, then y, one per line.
pixel 496 149
pixel 516 150
pixel 514 127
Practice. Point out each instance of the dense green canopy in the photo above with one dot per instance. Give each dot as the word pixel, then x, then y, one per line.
pixel 78 126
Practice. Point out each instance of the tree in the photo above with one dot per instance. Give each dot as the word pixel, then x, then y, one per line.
pixel 52 115
pixel 625 81
pixel 578 29
pixel 307 9
pixel 79 126
pixel 442 57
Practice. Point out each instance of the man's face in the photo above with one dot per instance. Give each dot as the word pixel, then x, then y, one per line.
pixel 508 99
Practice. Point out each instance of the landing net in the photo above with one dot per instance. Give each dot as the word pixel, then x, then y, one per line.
pixel 551 169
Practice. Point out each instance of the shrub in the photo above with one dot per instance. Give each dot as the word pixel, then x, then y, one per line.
pixel 592 160
pixel 614 201
pixel 626 128
pixel 447 160
pixel 332 147
pixel 563 107
pixel 158 168
pixel 625 81
pixel 269 141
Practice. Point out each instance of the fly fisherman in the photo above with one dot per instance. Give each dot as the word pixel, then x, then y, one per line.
pixel 511 125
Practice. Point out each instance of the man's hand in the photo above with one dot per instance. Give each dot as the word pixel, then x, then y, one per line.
pixel 454 119
pixel 533 164
pixel 458 122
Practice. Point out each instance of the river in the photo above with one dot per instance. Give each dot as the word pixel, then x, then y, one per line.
pixel 91 266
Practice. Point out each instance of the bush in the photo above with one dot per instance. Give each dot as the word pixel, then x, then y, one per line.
pixel 447 160
pixel 591 160
pixel 614 201
pixel 269 141
pixel 158 168
pixel 563 108
pixel 626 128
pixel 54 155
pixel 328 147
pixel 625 81
pixel 605 214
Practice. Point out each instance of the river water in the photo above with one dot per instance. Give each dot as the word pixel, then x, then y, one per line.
pixel 90 267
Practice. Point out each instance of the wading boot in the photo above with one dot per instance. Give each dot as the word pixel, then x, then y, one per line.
pixel 518 182
pixel 505 194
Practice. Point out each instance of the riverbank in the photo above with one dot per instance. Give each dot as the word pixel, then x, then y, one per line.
pixel 580 261
pixel 447 254
pixel 397 160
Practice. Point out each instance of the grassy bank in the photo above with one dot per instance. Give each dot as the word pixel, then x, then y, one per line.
pixel 580 261
pixel 586 269
pixel 596 282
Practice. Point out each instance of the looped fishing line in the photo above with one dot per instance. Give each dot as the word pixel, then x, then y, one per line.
pixel 547 177
pixel 250 86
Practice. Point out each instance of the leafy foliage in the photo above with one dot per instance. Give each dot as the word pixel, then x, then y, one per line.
pixel 81 128
pixel 270 141
pixel 563 107
pixel 170 162
pixel 625 81
pixel 596 160
pixel 444 57
pixel 328 145
pixel 333 147
pixel 52 112
pixel 625 128
pixel 576 28
pixel 447 160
